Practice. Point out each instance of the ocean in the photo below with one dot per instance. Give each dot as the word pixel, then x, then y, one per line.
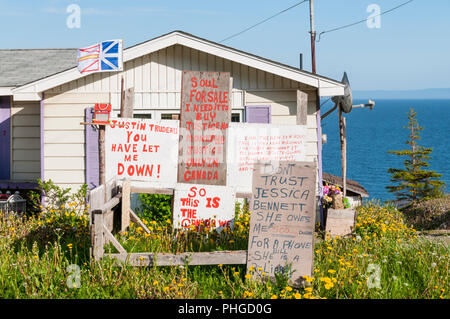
pixel 372 133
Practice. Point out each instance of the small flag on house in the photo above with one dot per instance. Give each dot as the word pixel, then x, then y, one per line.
pixel 102 57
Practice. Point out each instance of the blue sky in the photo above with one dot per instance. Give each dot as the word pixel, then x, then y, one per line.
pixel 411 49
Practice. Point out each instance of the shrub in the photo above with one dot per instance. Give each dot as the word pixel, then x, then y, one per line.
pixel 155 207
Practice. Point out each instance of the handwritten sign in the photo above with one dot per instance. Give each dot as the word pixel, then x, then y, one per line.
pixel 282 220
pixel 197 206
pixel 205 116
pixel 248 143
pixel 142 150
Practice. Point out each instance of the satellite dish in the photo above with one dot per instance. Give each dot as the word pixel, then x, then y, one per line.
pixel 345 101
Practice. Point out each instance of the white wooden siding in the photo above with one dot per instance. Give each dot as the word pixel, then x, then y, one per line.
pixel 156 79
pixel 64 136
pixel 25 136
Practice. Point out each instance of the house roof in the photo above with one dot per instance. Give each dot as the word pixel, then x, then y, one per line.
pixel 69 72
pixel 19 66
pixel 352 186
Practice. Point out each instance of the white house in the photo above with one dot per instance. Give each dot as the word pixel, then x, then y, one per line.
pixel 43 99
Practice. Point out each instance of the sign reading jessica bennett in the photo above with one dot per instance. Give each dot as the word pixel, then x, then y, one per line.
pixel 142 150
pixel 205 116
pixel 282 220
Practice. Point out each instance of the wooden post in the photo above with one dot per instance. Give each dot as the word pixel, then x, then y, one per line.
pixel 99 238
pixel 122 98
pixel 343 139
pixel 101 155
pixel 126 200
pixel 129 103
pixel 302 107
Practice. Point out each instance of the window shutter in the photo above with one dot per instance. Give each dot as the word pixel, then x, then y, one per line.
pixel 5 144
pixel 257 114
pixel 91 147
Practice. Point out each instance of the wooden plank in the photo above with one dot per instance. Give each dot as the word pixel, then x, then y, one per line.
pixel 101 154
pixel 128 103
pixel 26 143
pixel 109 205
pixel 64 137
pixel 62 163
pixel 284 119
pixel 63 123
pixel 25 176
pixel 282 228
pixel 77 98
pixel 302 107
pixel 146 75
pixel 340 222
pixel 135 218
pixel 98 235
pixel 26 167
pixel 26 120
pixel 206 164
pixel 64 150
pixel 109 237
pixel 138 62
pixel 214 204
pixel 108 220
pixel 97 198
pixel 228 257
pixel 26 155
pixel 68 176
pixel 126 200
pixel 243 195
pixel 25 108
pixel 64 110
pixel 111 188
pixel 26 131
pixel 269 96
pixel 151 190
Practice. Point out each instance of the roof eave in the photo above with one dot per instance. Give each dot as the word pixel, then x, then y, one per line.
pixel 325 86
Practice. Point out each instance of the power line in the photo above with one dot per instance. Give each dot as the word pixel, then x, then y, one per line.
pixel 363 20
pixel 265 20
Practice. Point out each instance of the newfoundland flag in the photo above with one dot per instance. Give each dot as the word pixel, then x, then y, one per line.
pixel 102 57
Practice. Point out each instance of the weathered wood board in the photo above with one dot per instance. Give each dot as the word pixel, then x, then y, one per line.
pixel 205 116
pixel 203 205
pixel 142 150
pixel 340 222
pixel 283 207
pixel 226 257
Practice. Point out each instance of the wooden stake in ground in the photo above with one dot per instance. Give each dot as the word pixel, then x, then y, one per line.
pixel 126 101
pixel 101 153
pixel 343 139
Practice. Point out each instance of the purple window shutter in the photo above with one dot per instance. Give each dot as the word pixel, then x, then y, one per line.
pixel 91 146
pixel 5 137
pixel 257 114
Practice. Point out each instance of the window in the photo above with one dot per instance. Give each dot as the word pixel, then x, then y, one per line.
pixel 257 114
pixel 170 116
pixel 235 117
pixel 142 115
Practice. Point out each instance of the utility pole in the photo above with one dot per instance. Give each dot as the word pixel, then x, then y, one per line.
pixel 312 32
pixel 313 36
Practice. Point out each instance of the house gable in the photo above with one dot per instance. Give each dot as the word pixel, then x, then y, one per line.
pixel 326 87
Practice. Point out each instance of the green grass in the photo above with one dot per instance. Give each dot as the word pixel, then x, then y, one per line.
pixel 36 254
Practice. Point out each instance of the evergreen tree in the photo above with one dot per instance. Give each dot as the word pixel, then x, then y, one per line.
pixel 414 182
